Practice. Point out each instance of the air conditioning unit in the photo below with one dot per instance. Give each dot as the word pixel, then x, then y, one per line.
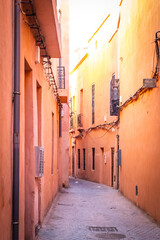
pixel 39 161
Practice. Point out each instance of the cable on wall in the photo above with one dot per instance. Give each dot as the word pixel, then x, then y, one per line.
pixel 157 47
pixel 105 126
pixel 143 89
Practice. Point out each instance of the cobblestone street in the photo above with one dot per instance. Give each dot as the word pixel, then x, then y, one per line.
pixel 92 211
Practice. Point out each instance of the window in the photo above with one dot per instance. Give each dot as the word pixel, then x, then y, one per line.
pixel 93 158
pixel 84 159
pixel 93 103
pixel 114 96
pixel 81 108
pixel 79 163
pixel 81 101
pixel 61 76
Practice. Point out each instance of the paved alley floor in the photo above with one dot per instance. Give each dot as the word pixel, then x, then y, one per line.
pixel 91 211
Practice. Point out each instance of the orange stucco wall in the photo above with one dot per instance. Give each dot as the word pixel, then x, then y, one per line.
pixel 96 69
pixel 6 110
pixel 139 122
pixel 130 55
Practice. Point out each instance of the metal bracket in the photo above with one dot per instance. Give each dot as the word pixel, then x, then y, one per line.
pixel 15 93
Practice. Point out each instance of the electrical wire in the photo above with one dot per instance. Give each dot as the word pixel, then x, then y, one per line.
pixel 157 43
pixel 142 89
pixel 101 126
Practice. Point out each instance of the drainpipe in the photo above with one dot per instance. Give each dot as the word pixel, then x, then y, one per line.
pixel 60 121
pixel 15 194
pixel 60 80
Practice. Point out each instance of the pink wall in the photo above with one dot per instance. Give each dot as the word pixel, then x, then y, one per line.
pixel 39 193
pixel 6 120
pixel 37 128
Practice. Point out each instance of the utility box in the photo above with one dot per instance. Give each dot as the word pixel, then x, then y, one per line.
pixel 39 161
pixel 149 83
pixel 119 158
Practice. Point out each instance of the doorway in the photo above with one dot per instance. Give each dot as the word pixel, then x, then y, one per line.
pixel 117 162
pixel 112 166
pixel 28 149
pixel 101 167
pixel 72 161
pixel 37 206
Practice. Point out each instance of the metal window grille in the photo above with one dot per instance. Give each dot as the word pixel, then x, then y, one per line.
pixel 119 157
pixel 79 120
pixel 61 77
pixel 114 97
pixel 71 122
pixel 39 161
pixel 93 103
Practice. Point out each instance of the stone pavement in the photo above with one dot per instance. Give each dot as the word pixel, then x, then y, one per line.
pixel 91 211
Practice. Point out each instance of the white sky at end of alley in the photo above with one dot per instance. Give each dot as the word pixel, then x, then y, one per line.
pixel 85 17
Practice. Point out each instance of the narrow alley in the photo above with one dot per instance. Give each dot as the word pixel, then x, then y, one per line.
pixel 88 210
pixel 79 119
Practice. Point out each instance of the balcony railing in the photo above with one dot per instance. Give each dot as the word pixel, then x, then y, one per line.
pixel 61 77
pixel 71 123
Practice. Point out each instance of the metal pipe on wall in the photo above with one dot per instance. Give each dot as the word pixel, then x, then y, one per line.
pixel 60 121
pixel 15 194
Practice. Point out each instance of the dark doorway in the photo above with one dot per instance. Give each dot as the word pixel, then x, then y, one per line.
pixel 72 161
pixel 112 166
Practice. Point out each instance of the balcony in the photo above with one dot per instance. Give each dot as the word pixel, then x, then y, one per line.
pixel 71 123
pixel 63 93
pixel 48 20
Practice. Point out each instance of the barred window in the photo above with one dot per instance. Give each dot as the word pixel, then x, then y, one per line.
pixel 93 103
pixel 79 163
pixel 93 158
pixel 84 159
